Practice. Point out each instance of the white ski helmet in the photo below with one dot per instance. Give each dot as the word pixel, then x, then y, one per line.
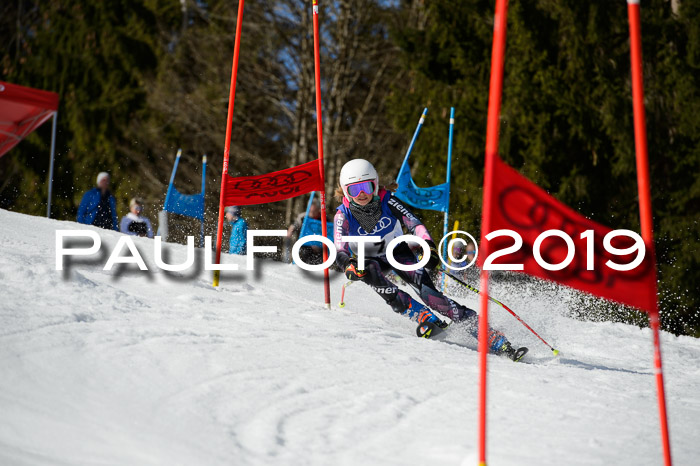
pixel 355 171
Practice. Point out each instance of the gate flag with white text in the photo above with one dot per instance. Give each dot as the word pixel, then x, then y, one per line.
pixel 522 206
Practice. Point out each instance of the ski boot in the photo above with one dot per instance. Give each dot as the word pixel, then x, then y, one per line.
pixel 429 324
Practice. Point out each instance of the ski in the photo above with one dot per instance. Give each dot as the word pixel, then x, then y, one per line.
pixel 518 354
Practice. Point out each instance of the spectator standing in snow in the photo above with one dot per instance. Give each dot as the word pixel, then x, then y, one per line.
pixel 133 223
pixel 98 207
pixel 472 273
pixel 459 251
pixel 238 241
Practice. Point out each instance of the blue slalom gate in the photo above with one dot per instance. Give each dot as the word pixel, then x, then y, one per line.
pixel 432 198
pixel 189 205
pixel 312 226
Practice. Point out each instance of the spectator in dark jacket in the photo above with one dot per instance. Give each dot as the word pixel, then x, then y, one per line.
pixel 134 223
pixel 98 207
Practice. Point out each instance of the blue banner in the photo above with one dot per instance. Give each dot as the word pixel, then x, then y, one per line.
pixel 312 226
pixel 433 198
pixel 190 205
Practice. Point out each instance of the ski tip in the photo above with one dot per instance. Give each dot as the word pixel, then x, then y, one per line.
pixel 428 330
pixel 555 352
pixel 519 353
pixel 424 330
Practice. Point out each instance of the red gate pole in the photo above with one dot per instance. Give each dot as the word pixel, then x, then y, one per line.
pixel 492 129
pixel 319 137
pixel 644 192
pixel 227 143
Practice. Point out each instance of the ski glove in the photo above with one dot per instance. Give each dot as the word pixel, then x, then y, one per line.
pixel 352 273
pixel 434 260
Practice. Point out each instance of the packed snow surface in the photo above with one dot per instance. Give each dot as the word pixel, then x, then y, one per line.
pixel 148 367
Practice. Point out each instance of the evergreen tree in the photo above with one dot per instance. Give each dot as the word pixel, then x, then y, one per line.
pixel 138 79
pixel 97 57
pixel 566 119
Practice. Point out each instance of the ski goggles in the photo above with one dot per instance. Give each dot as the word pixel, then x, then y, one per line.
pixel 355 189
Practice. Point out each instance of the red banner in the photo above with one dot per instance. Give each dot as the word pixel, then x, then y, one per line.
pixel 275 186
pixel 22 110
pixel 525 208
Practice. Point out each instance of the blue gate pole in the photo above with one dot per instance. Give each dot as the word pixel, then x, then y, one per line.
pixel 170 185
pixel 172 177
pixel 308 208
pixel 306 216
pixel 413 140
pixel 449 169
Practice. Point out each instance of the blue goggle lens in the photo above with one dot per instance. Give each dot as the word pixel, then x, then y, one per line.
pixel 354 190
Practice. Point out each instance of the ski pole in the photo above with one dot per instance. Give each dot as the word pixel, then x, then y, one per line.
pixel 342 294
pixel 471 288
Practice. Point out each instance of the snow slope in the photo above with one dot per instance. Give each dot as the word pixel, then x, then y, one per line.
pixel 133 367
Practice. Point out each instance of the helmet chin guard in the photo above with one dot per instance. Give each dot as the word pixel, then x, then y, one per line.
pixel 355 171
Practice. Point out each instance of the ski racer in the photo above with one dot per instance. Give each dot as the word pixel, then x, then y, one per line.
pixel 368 210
